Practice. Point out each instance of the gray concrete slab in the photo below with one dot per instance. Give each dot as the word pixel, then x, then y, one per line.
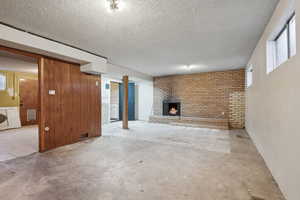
pixel 146 162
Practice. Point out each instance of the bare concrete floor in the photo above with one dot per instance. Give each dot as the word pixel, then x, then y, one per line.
pixel 18 142
pixel 147 162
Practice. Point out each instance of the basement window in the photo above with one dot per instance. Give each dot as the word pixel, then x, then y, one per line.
pixel 283 47
pixel 249 75
pixel 2 82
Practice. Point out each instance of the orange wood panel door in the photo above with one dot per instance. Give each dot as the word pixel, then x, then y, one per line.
pixel 70 104
pixel 28 89
pixel 92 110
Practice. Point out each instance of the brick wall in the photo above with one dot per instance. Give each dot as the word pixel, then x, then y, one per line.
pixel 203 95
pixel 237 110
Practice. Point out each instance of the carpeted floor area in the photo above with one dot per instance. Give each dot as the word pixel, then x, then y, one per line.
pixel 19 142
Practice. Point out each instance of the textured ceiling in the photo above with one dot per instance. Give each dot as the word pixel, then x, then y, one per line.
pixel 17 63
pixel 156 37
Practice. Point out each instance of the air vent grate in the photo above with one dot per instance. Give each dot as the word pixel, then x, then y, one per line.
pixel 84 136
pixel 31 115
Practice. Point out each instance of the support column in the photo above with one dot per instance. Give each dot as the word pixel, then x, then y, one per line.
pixel 125 102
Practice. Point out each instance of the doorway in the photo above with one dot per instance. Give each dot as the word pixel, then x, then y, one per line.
pixel 131 101
pixel 18 105
pixel 116 101
pixel 67 110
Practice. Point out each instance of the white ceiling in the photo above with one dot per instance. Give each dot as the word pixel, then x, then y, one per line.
pixel 157 37
pixel 17 63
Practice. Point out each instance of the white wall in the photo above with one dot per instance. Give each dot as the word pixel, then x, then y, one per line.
pixel 117 72
pixel 144 92
pixel 114 100
pixel 105 96
pixel 273 108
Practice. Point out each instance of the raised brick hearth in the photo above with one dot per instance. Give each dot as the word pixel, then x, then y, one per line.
pixel 191 121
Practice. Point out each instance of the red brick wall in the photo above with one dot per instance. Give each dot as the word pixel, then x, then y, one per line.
pixel 202 95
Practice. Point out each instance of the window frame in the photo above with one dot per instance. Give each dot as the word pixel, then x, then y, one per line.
pixel 249 72
pixel 4 82
pixel 284 30
pixel 293 17
pixel 272 50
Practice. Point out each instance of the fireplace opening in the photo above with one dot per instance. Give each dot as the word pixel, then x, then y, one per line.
pixel 171 108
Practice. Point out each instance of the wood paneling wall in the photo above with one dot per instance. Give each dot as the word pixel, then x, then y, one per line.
pixel 75 109
pixel 28 91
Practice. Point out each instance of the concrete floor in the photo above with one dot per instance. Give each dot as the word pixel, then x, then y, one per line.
pixel 147 162
pixel 18 142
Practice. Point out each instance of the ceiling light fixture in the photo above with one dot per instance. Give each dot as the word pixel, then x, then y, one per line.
pixel 188 67
pixel 113 5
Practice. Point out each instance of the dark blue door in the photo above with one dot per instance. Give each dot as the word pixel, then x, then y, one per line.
pixel 131 101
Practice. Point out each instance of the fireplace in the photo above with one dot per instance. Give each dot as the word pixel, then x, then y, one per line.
pixel 171 108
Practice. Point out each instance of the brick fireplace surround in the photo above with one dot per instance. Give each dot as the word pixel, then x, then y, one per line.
pixel 214 95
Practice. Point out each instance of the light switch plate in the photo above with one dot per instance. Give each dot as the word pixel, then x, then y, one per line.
pixel 10 92
pixel 51 92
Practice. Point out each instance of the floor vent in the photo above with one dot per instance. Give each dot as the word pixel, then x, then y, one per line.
pixel 84 136
pixel 31 115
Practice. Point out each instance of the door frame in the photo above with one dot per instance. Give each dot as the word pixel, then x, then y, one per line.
pixel 39 61
pixel 131 108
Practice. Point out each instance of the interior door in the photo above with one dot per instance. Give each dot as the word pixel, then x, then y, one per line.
pixel 70 104
pixel 28 89
pixel 131 101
